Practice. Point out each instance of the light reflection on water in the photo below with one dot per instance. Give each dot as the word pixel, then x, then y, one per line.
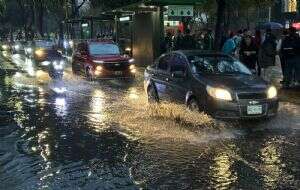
pixel 221 171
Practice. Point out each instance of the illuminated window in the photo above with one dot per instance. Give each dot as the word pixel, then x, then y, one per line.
pixel 290 6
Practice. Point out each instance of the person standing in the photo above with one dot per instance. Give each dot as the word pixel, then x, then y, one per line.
pixel 248 52
pixel 280 52
pixel 258 41
pixel 267 53
pixel 178 40
pixel 229 46
pixel 290 50
pixel 188 42
pixel 208 41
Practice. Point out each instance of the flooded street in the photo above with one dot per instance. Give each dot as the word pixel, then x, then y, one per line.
pixel 76 134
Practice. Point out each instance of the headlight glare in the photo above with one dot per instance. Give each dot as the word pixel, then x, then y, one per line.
pixel 99 68
pixel 131 67
pixel 219 93
pixel 39 52
pixel 131 60
pixel 272 92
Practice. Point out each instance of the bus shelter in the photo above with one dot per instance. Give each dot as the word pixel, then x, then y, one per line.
pixel 90 27
pixel 146 22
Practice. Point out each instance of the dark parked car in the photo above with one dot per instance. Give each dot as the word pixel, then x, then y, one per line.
pixel 102 59
pixel 215 83
pixel 42 50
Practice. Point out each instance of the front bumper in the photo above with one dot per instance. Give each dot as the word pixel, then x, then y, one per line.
pixel 239 109
pixel 106 74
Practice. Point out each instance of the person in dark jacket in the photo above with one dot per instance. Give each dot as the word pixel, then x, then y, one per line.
pixel 290 50
pixel 178 40
pixel 208 40
pixel 188 42
pixel 248 52
pixel 267 52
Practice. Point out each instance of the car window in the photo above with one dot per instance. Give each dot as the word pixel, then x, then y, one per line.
pixel 216 64
pixel 44 44
pixel 178 63
pixel 163 63
pixel 104 49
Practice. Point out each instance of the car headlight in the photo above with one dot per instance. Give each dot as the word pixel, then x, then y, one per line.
pixel 131 67
pixel 219 93
pixel 39 52
pixel 5 47
pixel 57 65
pixel 62 62
pixel 17 47
pixel 71 43
pixel 29 50
pixel 131 60
pixel 272 92
pixel 99 68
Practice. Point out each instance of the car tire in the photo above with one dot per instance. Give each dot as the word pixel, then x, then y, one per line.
pixel 152 95
pixel 193 105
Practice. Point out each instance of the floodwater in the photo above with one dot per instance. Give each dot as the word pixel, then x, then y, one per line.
pixel 76 134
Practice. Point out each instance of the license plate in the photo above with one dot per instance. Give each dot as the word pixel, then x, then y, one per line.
pixel 254 110
pixel 118 72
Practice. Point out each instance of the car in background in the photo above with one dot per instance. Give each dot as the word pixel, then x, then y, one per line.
pixel 18 47
pixel 102 60
pixel 211 82
pixel 42 49
pixel 28 49
pixel 6 46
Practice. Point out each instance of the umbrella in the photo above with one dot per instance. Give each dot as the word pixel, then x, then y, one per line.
pixel 271 25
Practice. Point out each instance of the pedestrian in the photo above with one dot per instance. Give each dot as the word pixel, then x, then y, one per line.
pixel 188 42
pixel 267 54
pixel 229 46
pixel 280 52
pixel 178 40
pixel 238 38
pixel 208 40
pixel 258 41
pixel 168 41
pixel 248 52
pixel 290 50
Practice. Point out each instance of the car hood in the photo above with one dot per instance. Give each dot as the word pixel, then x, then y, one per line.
pixel 237 82
pixel 110 58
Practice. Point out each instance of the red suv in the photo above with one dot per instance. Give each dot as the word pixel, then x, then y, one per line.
pixel 102 59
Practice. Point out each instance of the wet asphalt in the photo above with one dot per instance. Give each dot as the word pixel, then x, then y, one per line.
pixel 104 135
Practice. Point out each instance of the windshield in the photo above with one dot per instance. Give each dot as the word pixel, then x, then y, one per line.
pixel 104 49
pixel 44 44
pixel 216 64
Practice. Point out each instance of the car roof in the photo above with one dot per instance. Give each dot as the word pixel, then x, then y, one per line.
pixel 200 52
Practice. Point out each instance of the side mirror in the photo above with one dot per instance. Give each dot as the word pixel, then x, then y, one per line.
pixel 178 74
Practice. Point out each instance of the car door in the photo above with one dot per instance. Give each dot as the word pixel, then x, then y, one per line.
pixel 161 77
pixel 178 84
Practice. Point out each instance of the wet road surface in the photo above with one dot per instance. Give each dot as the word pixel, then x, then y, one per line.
pixel 103 135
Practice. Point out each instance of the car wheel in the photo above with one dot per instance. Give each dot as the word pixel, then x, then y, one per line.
pixel 88 74
pixel 193 105
pixel 152 95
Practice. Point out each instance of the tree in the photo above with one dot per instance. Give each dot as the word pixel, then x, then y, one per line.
pixel 219 23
